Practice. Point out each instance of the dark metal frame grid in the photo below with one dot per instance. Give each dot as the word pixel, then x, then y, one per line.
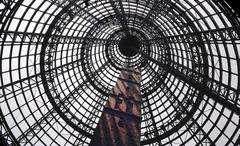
pixel 60 60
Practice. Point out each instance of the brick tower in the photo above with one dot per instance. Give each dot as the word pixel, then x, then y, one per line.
pixel 121 118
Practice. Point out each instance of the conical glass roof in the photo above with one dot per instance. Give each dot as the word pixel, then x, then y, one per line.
pixel 61 58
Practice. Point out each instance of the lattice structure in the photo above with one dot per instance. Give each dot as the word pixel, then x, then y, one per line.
pixel 60 60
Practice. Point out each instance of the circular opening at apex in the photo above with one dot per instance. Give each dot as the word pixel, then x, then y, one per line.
pixel 129 45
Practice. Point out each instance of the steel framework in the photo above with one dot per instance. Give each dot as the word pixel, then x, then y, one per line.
pixel 60 60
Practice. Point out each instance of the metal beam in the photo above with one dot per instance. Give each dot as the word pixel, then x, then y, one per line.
pixel 222 34
pixel 8 134
pixel 231 105
pixel 159 7
pixel 120 14
pixel 25 37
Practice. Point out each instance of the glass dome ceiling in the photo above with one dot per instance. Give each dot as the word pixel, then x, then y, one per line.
pixel 61 58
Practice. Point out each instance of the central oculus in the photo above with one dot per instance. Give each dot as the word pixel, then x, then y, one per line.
pixel 129 45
